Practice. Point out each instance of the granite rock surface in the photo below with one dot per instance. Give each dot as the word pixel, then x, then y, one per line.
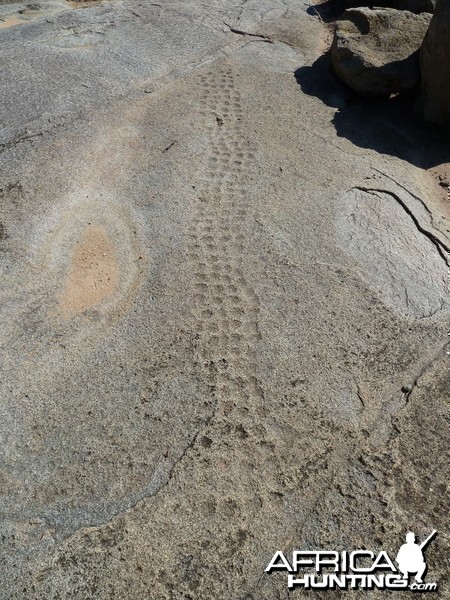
pixel 224 305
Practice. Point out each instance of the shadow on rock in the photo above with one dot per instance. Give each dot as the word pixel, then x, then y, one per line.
pixel 320 80
pixel 330 10
pixel 389 126
pixel 327 11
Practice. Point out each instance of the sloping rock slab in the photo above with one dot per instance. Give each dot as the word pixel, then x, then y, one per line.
pixel 376 52
pixel 392 254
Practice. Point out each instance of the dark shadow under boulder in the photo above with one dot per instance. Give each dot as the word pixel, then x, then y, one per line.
pixel 435 66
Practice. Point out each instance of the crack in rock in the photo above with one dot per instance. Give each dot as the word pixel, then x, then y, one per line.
pixel 145 496
pixel 266 38
pixel 441 247
pixel 394 252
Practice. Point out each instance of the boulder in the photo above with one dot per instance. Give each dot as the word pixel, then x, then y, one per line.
pixel 435 66
pixel 415 6
pixel 376 52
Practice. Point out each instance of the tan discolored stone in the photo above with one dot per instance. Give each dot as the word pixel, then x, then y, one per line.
pixel 10 22
pixel 93 274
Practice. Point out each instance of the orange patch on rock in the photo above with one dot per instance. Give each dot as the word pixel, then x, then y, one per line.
pixel 93 275
pixel 11 22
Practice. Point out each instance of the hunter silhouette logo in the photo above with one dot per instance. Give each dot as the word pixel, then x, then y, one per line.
pixel 360 569
pixel 410 556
